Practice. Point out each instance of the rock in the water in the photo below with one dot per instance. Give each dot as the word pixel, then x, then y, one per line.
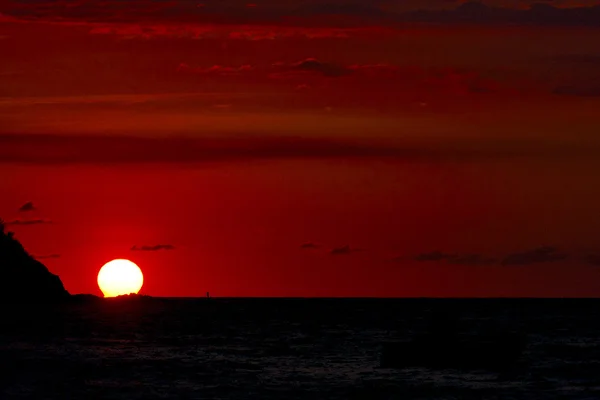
pixel 22 277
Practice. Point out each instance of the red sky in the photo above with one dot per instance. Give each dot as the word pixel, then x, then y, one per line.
pixel 236 136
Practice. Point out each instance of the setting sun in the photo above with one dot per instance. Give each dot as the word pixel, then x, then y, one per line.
pixel 120 277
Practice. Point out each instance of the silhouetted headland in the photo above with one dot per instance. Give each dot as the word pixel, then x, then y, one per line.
pixel 25 279
pixel 90 298
pixel 130 297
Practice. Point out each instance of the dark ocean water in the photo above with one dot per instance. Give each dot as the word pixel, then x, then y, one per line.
pixel 286 349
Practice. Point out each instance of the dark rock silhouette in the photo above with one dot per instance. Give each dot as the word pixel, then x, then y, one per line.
pixel 91 299
pixel 23 278
pixel 130 296
pixel 84 298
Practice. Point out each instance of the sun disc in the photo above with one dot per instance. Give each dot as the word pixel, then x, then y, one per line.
pixel 119 277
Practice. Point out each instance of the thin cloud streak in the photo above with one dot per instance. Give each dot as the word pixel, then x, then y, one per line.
pixel 593 259
pixel 27 207
pixel 301 14
pixel 71 149
pixel 25 222
pixel 157 247
pixel 309 245
pixel 434 256
pixel 47 257
pixel 540 255
pixel 344 250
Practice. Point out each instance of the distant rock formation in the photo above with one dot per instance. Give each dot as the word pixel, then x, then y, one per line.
pixel 84 298
pixel 131 298
pixel 22 277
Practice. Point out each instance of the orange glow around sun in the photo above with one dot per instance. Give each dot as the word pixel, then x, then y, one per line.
pixel 120 277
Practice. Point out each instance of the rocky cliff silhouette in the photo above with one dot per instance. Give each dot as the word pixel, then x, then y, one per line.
pixel 22 277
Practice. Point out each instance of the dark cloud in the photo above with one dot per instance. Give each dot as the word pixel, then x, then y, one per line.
pixel 221 12
pixel 118 149
pixel 472 260
pixel 399 259
pixel 28 222
pixel 475 12
pixel 593 259
pixel 27 207
pixel 350 9
pixel 309 245
pixel 456 259
pixel 540 255
pixel 157 247
pixel 370 79
pixel 577 58
pixel 231 32
pixel 312 13
pixel 215 70
pixel 578 90
pixel 344 250
pixel 434 256
pixel 314 65
pixel 309 65
pixel 88 149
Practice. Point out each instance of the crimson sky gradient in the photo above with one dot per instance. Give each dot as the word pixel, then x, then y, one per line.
pixel 304 148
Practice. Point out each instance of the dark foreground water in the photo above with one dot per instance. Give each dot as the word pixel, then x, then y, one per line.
pixel 285 349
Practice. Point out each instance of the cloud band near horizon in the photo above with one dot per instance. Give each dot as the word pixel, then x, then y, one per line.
pixel 87 149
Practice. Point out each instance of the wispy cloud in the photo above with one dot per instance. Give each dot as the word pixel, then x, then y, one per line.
pixel 534 256
pixel 80 149
pixel 200 31
pixel 578 90
pixel 29 222
pixel 593 259
pixel 344 250
pixel 539 255
pixel 399 78
pixel 27 207
pixel 434 256
pixel 472 259
pixel 156 247
pixel 215 69
pixel 310 65
pixel 309 245
pixel 357 12
pixel 537 14
pixel 592 59
pixel 455 259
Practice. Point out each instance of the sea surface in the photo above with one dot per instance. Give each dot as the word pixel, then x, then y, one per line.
pixel 286 349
